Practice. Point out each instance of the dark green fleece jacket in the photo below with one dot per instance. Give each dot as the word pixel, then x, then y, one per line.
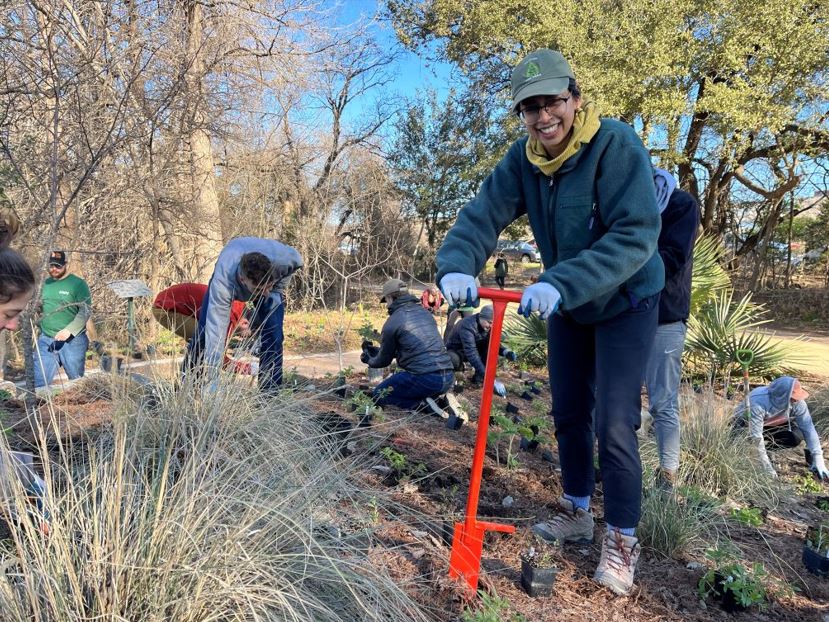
pixel 595 221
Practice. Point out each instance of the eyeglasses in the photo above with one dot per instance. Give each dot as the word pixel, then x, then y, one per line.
pixel 530 114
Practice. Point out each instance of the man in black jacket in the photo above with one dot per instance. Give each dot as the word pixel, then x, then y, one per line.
pixel 469 341
pixel 680 222
pixel 411 336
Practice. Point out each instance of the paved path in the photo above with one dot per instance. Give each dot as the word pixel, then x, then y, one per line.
pixel 308 365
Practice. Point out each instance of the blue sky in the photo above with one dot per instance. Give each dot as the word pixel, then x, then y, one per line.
pixel 411 71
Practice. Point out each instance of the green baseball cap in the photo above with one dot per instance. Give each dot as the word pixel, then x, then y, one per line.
pixel 543 72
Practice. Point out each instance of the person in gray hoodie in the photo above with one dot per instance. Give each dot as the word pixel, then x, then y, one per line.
pixel 779 416
pixel 411 336
pixel 255 271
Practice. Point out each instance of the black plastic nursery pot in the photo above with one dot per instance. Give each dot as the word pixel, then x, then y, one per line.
pixel 512 409
pixel 526 395
pixel 728 601
pixel 537 581
pixel 815 562
pixel 454 422
pixel 529 445
pixel 534 389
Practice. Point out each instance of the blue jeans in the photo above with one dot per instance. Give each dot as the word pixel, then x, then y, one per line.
pixel 408 390
pixel 72 357
pixel 267 320
pixel 601 366
pixel 662 377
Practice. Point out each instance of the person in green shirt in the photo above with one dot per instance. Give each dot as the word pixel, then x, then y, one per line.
pixel 67 306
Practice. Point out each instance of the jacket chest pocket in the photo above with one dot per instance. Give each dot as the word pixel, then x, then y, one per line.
pixel 577 224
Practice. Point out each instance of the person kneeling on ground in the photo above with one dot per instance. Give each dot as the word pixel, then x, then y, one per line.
pixel 780 418
pixel 411 336
pixel 469 342
pixel 256 271
pixel 177 309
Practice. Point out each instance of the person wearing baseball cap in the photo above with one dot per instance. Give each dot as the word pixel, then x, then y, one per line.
pixel 780 418
pixel 586 185
pixel 411 336
pixel 469 343
pixel 67 305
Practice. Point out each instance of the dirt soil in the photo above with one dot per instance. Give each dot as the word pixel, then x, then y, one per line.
pixel 72 414
pixel 666 589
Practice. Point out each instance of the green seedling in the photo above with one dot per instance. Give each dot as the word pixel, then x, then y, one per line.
pixel 401 466
pixel 491 608
pixel 728 575
pixel 817 539
pixel 5 395
pixel 752 517
pixel 823 504
pixel 368 332
pixel 806 484
pixel 506 429
pixel 396 460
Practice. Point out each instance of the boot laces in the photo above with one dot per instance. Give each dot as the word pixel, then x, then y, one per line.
pixel 618 555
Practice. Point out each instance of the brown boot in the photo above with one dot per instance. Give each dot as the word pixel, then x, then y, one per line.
pixel 570 525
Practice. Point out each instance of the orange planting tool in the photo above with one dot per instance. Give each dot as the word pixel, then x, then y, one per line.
pixel 468 540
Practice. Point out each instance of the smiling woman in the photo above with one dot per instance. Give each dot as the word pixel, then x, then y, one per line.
pixel 17 284
pixel 586 185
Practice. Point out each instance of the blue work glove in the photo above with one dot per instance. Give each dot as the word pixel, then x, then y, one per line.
pixel 459 289
pixel 510 356
pixel 819 466
pixel 541 297
pixel 499 388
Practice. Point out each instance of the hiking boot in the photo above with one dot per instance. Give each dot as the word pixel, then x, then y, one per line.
pixel 618 562
pixel 569 525
pixel 435 409
pixel 665 480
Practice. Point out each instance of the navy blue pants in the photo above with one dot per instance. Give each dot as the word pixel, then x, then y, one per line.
pixel 601 366
pixel 408 390
pixel 268 316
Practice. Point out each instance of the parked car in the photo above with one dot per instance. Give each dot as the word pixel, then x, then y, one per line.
pixel 518 251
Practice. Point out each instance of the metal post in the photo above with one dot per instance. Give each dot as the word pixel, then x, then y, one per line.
pixel 131 325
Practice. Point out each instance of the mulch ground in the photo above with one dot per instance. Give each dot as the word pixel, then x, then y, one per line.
pixel 412 522
pixel 666 589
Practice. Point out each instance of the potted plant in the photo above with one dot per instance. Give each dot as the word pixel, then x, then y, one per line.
pixel 736 586
pixel 816 550
pixel 538 570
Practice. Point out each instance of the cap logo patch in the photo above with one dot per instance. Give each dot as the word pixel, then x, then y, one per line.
pixel 533 70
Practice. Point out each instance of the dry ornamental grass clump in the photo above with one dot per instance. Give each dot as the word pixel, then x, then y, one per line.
pixel 203 508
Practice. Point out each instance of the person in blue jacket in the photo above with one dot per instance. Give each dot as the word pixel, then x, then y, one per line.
pixel 586 186
pixel 411 336
pixel 680 223
pixel 256 271
pixel 780 417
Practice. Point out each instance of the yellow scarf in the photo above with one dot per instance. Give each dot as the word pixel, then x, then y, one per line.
pixel 585 126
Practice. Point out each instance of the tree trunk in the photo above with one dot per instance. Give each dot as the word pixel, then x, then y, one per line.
pixel 207 222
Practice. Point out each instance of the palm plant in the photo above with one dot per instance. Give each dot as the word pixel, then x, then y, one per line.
pixel 527 337
pixel 719 327
pixel 709 277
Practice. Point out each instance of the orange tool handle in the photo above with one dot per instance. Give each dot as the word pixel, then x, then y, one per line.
pixel 499 298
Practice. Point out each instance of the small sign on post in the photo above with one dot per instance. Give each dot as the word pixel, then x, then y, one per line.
pixel 130 289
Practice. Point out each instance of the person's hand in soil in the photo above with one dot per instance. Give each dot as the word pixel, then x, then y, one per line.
pixel 819 467
pixel 499 388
